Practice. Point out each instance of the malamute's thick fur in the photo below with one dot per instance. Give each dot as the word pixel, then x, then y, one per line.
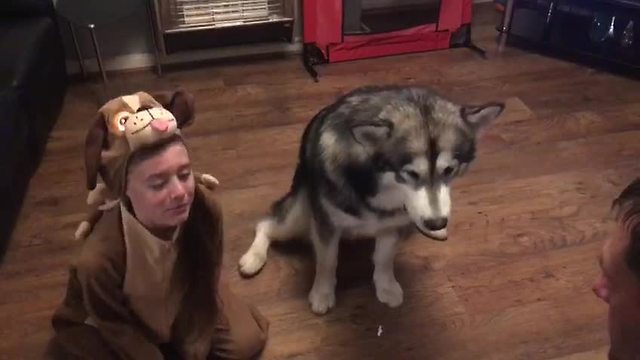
pixel 376 163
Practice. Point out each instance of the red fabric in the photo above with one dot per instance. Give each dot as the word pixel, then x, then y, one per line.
pixel 421 38
pixel 417 30
pixel 450 15
pixel 322 21
pixel 467 12
pixel 323 27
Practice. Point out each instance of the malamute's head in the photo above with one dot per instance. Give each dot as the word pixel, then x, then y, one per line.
pixel 416 143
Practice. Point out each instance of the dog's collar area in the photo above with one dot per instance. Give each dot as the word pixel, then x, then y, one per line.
pixel 384 212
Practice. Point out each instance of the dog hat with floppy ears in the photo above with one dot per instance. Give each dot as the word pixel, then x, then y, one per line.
pixel 128 123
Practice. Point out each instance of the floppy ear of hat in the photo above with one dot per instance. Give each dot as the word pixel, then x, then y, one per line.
pixel 128 123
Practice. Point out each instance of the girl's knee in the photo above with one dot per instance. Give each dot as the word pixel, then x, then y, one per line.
pixel 247 345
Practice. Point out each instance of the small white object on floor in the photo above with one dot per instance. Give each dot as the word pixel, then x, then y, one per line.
pixel 379 330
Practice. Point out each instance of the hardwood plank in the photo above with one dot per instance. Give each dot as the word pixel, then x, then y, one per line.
pixel 513 280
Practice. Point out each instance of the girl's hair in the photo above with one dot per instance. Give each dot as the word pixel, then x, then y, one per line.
pixel 627 205
pixel 197 269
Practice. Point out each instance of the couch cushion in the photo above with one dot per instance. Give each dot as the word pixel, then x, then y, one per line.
pixel 26 8
pixel 15 164
pixel 14 131
pixel 21 41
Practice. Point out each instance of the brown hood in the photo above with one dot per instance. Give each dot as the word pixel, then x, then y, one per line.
pixel 128 123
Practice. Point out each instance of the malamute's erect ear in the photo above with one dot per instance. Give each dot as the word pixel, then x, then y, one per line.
pixel 372 133
pixel 478 117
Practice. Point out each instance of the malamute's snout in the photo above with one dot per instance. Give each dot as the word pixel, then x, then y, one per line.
pixel 429 210
pixel 431 224
pixel 435 229
pixel 435 224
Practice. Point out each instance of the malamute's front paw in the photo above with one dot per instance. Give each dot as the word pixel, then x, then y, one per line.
pixel 321 300
pixel 251 262
pixel 389 292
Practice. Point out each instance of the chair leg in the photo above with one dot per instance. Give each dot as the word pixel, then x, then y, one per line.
pixel 77 47
pixel 506 25
pixel 154 34
pixel 98 57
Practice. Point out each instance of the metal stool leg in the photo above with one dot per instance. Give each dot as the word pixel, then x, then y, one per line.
pixel 506 24
pixel 154 34
pixel 99 58
pixel 77 47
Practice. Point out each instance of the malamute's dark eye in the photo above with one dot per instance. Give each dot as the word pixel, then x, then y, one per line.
pixel 448 171
pixel 412 175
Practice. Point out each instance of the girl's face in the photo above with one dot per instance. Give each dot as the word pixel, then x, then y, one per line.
pixel 161 188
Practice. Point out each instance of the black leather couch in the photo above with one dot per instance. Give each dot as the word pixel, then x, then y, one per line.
pixel 33 81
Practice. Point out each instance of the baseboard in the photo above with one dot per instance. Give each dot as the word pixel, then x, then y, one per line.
pixel 148 60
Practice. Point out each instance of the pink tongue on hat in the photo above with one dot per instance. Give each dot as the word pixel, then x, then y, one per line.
pixel 159 125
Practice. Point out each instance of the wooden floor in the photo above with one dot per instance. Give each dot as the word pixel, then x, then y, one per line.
pixel 512 282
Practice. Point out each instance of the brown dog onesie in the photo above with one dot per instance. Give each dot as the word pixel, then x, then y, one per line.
pixel 131 295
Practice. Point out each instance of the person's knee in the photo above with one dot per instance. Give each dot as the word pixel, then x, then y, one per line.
pixel 246 343
pixel 241 330
pixel 54 350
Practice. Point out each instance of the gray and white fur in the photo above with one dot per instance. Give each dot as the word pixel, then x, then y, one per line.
pixel 377 163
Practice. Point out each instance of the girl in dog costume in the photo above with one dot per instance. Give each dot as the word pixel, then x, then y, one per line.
pixel 145 284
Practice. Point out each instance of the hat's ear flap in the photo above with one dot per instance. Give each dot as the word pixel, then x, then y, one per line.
pixel 93 145
pixel 180 103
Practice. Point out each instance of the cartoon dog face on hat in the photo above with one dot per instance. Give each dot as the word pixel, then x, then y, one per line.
pixel 142 123
pixel 128 123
